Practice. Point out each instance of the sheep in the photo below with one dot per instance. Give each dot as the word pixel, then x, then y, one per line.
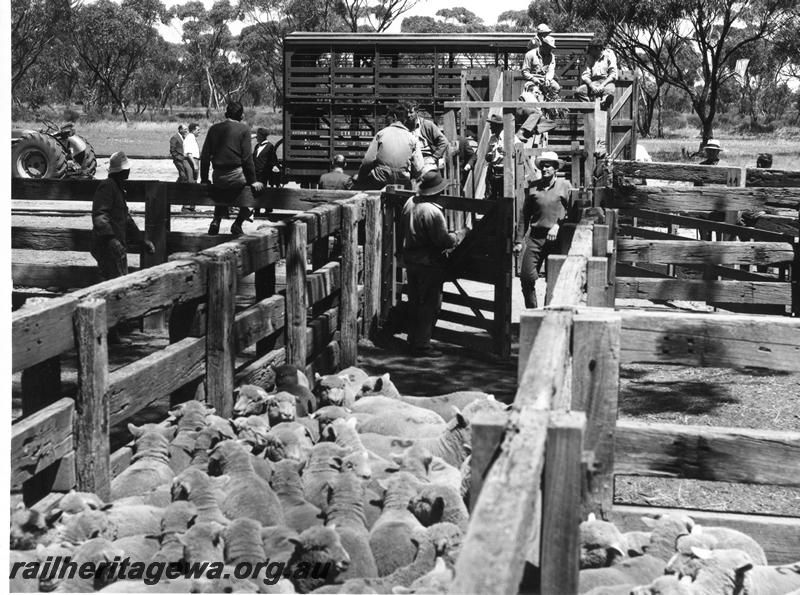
pixel 632 571
pixel 667 585
pixel 324 464
pixel 325 416
pixel 435 503
pixel 355 377
pixel 74 502
pixel 281 407
pixel 191 418
pixel 637 542
pixel 159 497
pixel 243 542
pixel 178 517
pixel 334 390
pixel 719 573
pixel 298 512
pixel 715 538
pixel 322 550
pixel 138 548
pixel 601 543
pixel 344 511
pixel 246 494
pixel 666 529
pixel 253 429
pixel 223 426
pixel 345 435
pixel 437 581
pixel 445 405
pixel 453 445
pixel 206 439
pixel 297 441
pixel 112 522
pixel 94 551
pixel 380 405
pixel 20 579
pixel 30 527
pixel 196 487
pixel 291 380
pixel 203 542
pixel 250 400
pixel 390 537
pixel 149 466
pixel 401 423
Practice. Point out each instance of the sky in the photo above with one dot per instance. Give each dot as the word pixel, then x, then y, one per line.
pixel 488 11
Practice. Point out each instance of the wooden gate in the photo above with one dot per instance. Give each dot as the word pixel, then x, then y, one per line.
pixel 476 304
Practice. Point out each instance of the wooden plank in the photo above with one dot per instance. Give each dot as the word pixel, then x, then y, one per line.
pixel 149 289
pixel 477 341
pixel 555 262
pixel 499 105
pixel 718 340
pixel 735 292
pixel 705 198
pixel 45 275
pixel 265 288
pixel 220 348
pixel 700 252
pixel 504 520
pixel 595 388
pixel 323 283
pixel 612 217
pixel 710 453
pixel 373 241
pixel 650 234
pixel 40 331
pixel 590 119
pixel 477 177
pixel 457 299
pixel 349 281
pixel 156 228
pixel 596 278
pixel 140 384
pixel 40 440
pixel 777 535
pixel 92 446
pixel 296 295
pixel 686 172
pixel 466 320
pixel 772 177
pixel 561 498
pixel 388 261
pixel 488 430
pixel 745 233
pixel 264 318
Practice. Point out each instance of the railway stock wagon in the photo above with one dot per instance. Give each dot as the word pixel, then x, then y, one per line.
pixel 338 86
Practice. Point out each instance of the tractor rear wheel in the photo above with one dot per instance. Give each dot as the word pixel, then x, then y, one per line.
pixel 88 161
pixel 38 155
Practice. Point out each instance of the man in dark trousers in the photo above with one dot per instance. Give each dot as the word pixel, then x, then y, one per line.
pixel 432 142
pixel 543 212
pixel 112 224
pixel 425 243
pixel 336 179
pixel 178 156
pixel 265 158
pixel 227 148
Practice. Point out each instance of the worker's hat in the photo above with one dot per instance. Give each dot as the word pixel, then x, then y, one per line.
pixel 549 40
pixel 495 119
pixel 118 162
pixel 712 143
pixel 543 28
pixel 548 157
pixel 432 183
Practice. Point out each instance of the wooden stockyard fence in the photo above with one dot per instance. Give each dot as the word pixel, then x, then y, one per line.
pixel 536 470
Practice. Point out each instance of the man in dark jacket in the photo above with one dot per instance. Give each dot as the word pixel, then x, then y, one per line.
pixel 433 143
pixel 112 224
pixel 425 242
pixel 227 147
pixel 265 158
pixel 336 179
pixel 178 156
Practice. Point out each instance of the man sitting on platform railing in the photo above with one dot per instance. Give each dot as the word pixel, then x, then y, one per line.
pixel 599 74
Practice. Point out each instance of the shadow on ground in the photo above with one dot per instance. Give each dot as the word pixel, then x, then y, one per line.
pixel 457 369
pixel 640 397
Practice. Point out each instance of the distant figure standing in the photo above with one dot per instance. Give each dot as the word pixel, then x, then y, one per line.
pixel 227 147
pixel 393 156
pixel 191 151
pixel 764 161
pixel 336 179
pixel 599 74
pixel 543 212
pixel 176 151
pixel 425 242
pixel 467 154
pixel 495 157
pixel 112 224
pixel 265 158
pixel 712 149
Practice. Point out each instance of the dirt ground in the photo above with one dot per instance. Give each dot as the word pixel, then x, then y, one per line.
pixel 673 394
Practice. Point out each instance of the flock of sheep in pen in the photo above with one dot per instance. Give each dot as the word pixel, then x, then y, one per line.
pixel 351 488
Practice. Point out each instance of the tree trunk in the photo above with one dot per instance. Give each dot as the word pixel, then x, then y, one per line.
pixel 660 116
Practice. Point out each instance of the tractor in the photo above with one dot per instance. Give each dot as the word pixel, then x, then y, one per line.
pixel 51 152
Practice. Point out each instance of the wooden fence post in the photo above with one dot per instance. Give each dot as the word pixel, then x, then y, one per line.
pixel 503 286
pixel 388 265
pixel 560 551
pixel 348 312
pixel 220 348
pixel 611 281
pixel 92 445
pixel 554 264
pixel 296 299
pixel 589 146
pixel 596 279
pixel 156 227
pixel 595 389
pixel 488 430
pixel 508 149
pixel 373 232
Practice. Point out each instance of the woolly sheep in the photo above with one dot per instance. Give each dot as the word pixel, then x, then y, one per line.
pixel 30 527
pixel 94 551
pixel 203 542
pixel 138 548
pixel 601 543
pixel 196 486
pixel 250 400
pixel 333 390
pixel 632 571
pixel 297 511
pixel 291 380
pixel 281 407
pixel 321 547
pixel 436 581
pixel 149 466
pixel 714 538
pixel 435 503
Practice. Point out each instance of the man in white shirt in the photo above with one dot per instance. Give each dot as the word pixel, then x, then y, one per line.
pixel 191 152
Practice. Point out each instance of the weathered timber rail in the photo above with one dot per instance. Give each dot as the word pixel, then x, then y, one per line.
pixel 314 323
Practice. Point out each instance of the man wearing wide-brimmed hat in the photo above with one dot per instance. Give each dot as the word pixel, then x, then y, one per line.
pixel 425 243
pixel 495 157
pixel 599 74
pixel 112 224
pixel 543 212
pixel 712 149
pixel 539 67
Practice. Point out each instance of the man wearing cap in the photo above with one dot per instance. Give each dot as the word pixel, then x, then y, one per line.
pixel 599 74
pixel 543 212
pixel 393 156
pixel 426 241
pixel 112 224
pixel 336 179
pixel 227 147
pixel 495 156
pixel 432 141
pixel 539 67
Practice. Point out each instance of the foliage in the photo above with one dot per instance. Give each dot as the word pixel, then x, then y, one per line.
pixel 35 26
